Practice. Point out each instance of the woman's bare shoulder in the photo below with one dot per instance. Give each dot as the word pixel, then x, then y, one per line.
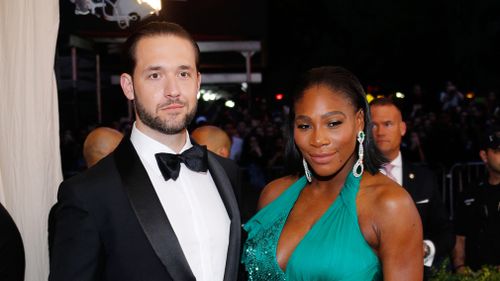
pixel 385 195
pixel 274 189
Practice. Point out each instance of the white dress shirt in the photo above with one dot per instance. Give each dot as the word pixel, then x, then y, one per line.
pixel 194 208
pixel 397 173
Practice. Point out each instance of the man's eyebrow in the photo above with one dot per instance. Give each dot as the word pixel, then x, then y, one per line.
pixel 185 67
pixel 153 68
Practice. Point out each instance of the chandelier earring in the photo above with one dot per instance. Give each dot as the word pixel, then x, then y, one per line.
pixel 358 168
pixel 307 172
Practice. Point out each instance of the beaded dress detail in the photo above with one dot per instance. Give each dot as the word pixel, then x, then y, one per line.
pixel 333 249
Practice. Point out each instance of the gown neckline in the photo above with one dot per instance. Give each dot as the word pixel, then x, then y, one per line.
pixel 323 216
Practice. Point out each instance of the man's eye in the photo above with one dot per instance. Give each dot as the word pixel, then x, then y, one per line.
pixel 154 75
pixel 185 74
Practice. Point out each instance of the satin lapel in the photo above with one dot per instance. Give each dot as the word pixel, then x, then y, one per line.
pixel 226 193
pixel 150 213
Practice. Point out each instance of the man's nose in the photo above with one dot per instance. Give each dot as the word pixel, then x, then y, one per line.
pixel 171 87
pixel 377 131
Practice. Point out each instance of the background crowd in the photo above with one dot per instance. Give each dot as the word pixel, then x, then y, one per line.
pixel 443 128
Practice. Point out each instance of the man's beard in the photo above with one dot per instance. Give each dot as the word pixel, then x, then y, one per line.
pixel 495 169
pixel 168 127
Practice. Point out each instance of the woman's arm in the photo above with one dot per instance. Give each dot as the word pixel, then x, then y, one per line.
pixel 399 230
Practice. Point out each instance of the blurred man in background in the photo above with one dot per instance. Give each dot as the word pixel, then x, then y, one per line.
pixel 478 214
pixel 99 143
pixel 214 138
pixel 388 130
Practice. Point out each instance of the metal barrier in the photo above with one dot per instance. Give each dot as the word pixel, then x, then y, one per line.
pixel 460 176
pixel 439 171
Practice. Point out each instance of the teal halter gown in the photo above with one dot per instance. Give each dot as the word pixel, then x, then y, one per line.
pixel 333 249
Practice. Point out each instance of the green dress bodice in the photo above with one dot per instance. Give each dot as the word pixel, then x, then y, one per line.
pixel 333 249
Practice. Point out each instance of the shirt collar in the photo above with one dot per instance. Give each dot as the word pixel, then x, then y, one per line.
pixel 146 145
pixel 398 161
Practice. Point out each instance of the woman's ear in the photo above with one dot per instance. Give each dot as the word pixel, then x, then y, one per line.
pixel 360 120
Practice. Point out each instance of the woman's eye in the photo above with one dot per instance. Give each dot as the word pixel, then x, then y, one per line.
pixel 302 126
pixel 334 123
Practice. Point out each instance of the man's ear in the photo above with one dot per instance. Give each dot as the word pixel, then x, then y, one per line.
pixel 127 85
pixel 199 80
pixel 223 152
pixel 482 154
pixel 402 128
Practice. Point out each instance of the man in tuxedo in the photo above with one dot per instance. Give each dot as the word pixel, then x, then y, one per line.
pixel 418 180
pixel 160 207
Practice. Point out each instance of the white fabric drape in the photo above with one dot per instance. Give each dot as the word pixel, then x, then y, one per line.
pixel 30 165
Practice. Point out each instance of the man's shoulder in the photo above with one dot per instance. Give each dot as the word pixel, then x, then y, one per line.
pixel 98 175
pixel 473 190
pixel 420 174
pixel 227 164
pixel 421 182
pixel 417 167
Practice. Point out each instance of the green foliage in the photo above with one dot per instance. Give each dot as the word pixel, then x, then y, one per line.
pixel 486 273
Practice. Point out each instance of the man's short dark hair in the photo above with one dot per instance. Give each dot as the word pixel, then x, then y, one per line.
pixel 155 28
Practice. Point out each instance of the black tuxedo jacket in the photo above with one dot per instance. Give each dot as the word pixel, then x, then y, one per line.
pixel 421 183
pixel 12 262
pixel 109 224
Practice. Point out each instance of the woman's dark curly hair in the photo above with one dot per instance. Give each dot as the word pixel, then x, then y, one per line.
pixel 340 81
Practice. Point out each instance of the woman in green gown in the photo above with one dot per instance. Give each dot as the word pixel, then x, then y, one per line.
pixel 336 217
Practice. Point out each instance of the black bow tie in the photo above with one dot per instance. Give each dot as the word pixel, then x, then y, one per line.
pixel 195 159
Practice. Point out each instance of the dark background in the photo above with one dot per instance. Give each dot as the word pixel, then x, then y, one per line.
pixel 390 45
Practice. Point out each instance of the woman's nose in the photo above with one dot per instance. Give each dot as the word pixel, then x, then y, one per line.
pixel 319 138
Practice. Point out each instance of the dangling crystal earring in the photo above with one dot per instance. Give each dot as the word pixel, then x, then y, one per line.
pixel 358 168
pixel 306 170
